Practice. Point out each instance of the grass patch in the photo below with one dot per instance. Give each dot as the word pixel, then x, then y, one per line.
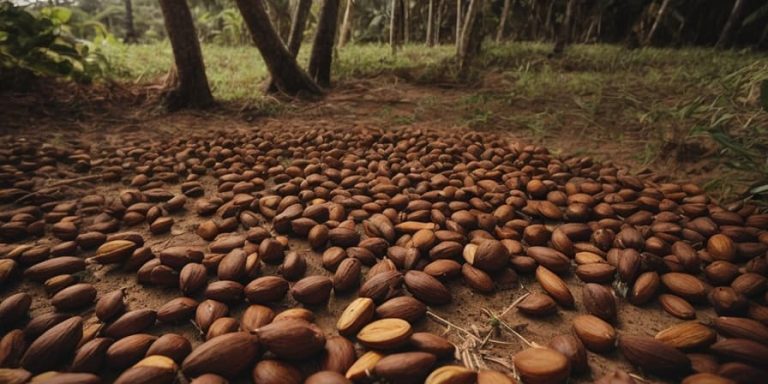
pixel 235 73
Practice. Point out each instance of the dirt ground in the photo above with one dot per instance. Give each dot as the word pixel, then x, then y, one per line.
pixel 361 104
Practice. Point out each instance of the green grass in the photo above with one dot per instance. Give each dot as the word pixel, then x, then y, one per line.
pixel 658 104
pixel 235 73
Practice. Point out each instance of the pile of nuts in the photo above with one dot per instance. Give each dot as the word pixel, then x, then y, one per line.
pixel 387 217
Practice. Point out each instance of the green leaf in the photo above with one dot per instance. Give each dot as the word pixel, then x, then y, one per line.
pixel 58 14
pixel 64 49
pixel 764 94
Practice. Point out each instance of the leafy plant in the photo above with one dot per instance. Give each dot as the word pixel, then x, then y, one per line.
pixel 222 27
pixel 41 45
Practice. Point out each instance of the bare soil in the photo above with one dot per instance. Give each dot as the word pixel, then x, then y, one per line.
pixel 375 103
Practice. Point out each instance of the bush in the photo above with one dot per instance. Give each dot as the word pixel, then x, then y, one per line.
pixel 41 45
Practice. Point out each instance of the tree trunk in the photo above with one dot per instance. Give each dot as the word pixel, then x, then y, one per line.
pixel 406 21
pixel 659 18
pixel 441 7
pixel 192 89
pixel 469 45
pixel 393 26
pixel 322 49
pixel 430 18
pixel 548 23
pixel 295 37
pixel 277 15
pixel 503 20
pixel 130 31
pixel 564 35
pixel 345 33
pixel 287 74
pixel 458 25
pixel 298 24
pixel 731 26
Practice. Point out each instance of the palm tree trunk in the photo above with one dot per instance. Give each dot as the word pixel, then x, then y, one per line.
pixel 393 26
pixel 503 20
pixel 130 31
pixel 322 49
pixel 441 8
pixel 344 35
pixel 406 21
pixel 659 18
pixel 298 24
pixel 430 19
pixel 548 21
pixel 192 90
pixel 287 74
pixel 466 49
pixel 731 26
pixel 458 25
pixel 295 36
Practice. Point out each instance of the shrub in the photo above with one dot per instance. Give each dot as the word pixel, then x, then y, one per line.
pixel 41 45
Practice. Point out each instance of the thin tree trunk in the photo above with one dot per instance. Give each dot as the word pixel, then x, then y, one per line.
pixel 503 20
pixel 192 90
pixel 564 35
pixel 531 22
pixel 466 51
pixel 659 18
pixel 430 18
pixel 130 31
pixel 277 17
pixel 406 22
pixel 458 24
pixel 441 8
pixel 588 34
pixel 548 18
pixel 287 74
pixel 345 33
pixel 393 26
pixel 322 49
pixel 731 26
pixel 298 24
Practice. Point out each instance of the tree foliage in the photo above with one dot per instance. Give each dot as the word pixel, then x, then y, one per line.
pixel 42 44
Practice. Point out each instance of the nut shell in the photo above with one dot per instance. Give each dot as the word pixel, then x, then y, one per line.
pixel 292 339
pixel 53 346
pixel 595 333
pixel 312 290
pixel 427 288
pixel 555 287
pixel 687 335
pixel 406 367
pixel 542 366
pixel 226 355
pixel 357 314
pixel 385 334
pixel 654 356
